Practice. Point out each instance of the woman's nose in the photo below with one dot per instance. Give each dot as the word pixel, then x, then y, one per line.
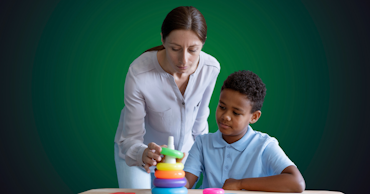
pixel 184 58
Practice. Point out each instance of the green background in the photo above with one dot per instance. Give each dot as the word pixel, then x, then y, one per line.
pixel 64 65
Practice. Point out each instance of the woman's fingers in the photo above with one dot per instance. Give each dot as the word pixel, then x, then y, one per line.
pixel 150 162
pixel 154 146
pixel 154 155
pixel 147 168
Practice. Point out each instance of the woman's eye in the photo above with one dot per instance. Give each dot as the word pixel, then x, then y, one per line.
pixel 193 51
pixel 175 49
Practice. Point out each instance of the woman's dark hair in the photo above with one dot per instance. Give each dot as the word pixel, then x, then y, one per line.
pixel 183 18
pixel 249 84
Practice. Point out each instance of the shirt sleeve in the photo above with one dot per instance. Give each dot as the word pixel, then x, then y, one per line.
pixel 201 124
pixel 195 163
pixel 274 159
pixel 131 124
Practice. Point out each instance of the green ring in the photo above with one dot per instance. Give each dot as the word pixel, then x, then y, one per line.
pixel 173 153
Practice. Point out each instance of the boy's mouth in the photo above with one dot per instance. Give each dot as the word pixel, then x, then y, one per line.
pixel 222 125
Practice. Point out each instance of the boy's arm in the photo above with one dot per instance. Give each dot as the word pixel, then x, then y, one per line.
pixel 189 177
pixel 290 180
pixel 194 164
pixel 190 180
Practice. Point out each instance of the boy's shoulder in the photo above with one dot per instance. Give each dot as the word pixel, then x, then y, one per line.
pixel 252 139
pixel 205 137
pixel 263 136
pixel 263 139
pixel 205 141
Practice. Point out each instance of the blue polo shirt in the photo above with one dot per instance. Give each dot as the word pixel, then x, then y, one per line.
pixel 256 154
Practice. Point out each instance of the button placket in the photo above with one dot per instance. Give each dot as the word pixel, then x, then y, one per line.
pixel 227 162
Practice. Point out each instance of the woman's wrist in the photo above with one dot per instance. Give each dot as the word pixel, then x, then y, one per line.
pixel 140 156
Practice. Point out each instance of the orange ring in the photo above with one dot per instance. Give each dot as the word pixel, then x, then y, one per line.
pixel 172 174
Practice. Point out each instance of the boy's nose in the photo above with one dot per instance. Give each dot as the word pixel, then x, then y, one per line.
pixel 226 117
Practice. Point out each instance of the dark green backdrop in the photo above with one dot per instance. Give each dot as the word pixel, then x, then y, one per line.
pixel 64 66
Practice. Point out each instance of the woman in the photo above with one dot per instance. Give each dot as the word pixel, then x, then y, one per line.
pixel 167 93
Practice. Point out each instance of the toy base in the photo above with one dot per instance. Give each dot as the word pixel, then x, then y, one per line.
pixel 181 190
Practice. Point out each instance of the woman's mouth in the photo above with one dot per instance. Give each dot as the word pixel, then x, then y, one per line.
pixel 182 67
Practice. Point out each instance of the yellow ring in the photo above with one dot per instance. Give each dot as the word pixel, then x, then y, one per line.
pixel 168 166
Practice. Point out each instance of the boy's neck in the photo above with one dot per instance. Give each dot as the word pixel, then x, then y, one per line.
pixel 233 139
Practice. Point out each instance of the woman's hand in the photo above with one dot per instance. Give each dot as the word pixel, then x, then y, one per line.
pixel 232 184
pixel 177 159
pixel 152 155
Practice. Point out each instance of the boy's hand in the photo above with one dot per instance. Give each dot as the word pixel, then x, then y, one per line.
pixel 232 184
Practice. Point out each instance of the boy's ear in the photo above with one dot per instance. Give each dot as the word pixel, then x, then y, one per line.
pixel 255 116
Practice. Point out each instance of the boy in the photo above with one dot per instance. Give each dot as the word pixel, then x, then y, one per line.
pixel 235 157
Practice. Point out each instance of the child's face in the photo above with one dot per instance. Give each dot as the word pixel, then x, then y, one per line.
pixel 233 115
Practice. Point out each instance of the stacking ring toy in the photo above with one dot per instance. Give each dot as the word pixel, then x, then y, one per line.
pixel 169 166
pixel 158 190
pixel 173 174
pixel 169 183
pixel 213 191
pixel 171 152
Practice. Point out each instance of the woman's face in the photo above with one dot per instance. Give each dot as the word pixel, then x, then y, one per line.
pixel 182 51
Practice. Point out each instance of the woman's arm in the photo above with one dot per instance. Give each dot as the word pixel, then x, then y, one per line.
pixel 130 132
pixel 290 180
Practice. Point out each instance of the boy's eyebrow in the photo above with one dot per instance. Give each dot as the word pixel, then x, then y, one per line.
pixel 233 107
pixel 238 109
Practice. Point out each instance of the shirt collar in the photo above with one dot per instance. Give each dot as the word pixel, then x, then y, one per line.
pixel 240 145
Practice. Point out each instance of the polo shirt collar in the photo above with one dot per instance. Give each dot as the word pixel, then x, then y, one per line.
pixel 240 145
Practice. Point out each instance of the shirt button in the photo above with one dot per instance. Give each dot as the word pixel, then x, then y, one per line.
pixel 229 156
pixel 183 103
pixel 226 167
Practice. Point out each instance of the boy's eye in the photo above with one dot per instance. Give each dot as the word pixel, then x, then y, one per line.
pixel 221 107
pixel 236 113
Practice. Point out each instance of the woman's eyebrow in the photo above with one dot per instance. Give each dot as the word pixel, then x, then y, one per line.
pixel 175 44
pixel 180 45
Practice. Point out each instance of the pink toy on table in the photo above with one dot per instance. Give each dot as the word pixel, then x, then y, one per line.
pixel 213 191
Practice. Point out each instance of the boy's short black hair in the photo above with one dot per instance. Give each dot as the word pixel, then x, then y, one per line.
pixel 248 83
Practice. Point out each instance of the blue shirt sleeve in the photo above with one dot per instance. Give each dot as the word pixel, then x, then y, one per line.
pixel 274 159
pixel 195 162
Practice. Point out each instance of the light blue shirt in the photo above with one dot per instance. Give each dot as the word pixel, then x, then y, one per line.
pixel 155 108
pixel 256 154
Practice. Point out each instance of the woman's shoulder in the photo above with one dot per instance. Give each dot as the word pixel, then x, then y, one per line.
pixel 144 63
pixel 209 60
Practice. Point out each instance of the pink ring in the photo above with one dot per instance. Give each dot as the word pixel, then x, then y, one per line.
pixel 213 191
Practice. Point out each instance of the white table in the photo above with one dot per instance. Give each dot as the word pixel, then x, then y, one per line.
pixel 197 191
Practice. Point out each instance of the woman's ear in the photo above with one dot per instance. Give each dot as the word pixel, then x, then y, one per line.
pixel 162 39
pixel 255 116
